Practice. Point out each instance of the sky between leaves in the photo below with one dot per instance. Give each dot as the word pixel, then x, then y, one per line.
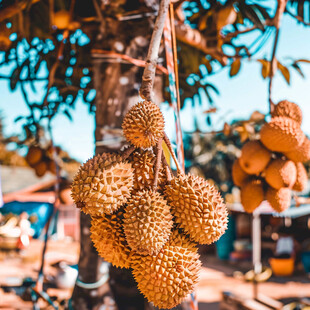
pixel 239 97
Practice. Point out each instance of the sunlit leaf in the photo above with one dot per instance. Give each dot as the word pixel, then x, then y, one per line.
pixel 235 67
pixel 265 67
pixel 285 72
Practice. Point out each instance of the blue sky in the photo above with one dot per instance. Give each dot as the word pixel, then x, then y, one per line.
pixel 239 96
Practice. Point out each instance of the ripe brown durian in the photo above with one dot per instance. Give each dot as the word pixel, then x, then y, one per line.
pixel 238 175
pixel 102 184
pixel 109 239
pixel 147 222
pixel 252 195
pixel 144 124
pixel 279 199
pixel 40 168
pixel 281 134
pixel 301 153
pixel 167 278
pixel 34 155
pixel 281 173
pixel 143 162
pixel 198 208
pixel 302 178
pixel 254 157
pixel 288 109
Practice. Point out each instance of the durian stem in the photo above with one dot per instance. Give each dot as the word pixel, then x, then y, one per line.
pixel 167 168
pixel 146 90
pixel 127 152
pixel 168 143
pixel 159 151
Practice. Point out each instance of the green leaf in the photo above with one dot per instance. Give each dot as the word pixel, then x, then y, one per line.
pixel 285 72
pixel 15 77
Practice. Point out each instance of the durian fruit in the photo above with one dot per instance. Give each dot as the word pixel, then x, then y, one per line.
pixel 40 168
pixel 238 175
pixel 147 222
pixel 109 239
pixel 279 199
pixel 102 184
pixel 288 109
pixel 167 278
pixel 198 208
pixel 143 162
pixel 252 195
pixel 302 178
pixel 281 173
pixel 34 155
pixel 301 153
pixel 144 124
pixel 281 134
pixel 254 157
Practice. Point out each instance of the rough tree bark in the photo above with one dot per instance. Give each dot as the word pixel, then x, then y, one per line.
pixel 117 85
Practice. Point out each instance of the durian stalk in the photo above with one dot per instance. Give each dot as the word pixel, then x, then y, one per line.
pixel 167 168
pixel 159 152
pixel 168 143
pixel 127 152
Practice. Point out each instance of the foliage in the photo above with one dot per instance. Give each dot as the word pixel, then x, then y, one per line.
pixel 48 44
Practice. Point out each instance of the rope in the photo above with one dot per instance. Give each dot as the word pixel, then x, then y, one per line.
pixel 171 56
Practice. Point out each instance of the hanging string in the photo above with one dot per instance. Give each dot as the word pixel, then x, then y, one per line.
pixel 172 66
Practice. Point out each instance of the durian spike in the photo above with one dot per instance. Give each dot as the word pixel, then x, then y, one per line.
pixel 127 152
pixel 167 168
pixel 159 151
pixel 168 143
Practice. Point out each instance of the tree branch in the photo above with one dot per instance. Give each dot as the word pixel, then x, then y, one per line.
pixel 146 90
pixel 273 63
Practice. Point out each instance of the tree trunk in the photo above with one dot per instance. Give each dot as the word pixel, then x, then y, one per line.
pixel 117 85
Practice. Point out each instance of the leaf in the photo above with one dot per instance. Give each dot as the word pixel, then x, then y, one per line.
pixel 18 118
pixel 235 67
pixel 66 112
pixel 285 72
pixel 265 67
pixel 303 60
pixel 298 69
pixel 15 77
pixel 212 110
pixel 257 116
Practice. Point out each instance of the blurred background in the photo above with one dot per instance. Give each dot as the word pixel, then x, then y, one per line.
pixel 69 72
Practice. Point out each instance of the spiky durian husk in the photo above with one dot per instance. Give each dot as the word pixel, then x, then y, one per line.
pixel 254 157
pixel 279 199
pixel 198 208
pixel 167 278
pixel 288 109
pixel 238 175
pixel 252 195
pixel 144 124
pixel 143 162
pixel 147 222
pixel 301 153
pixel 281 173
pixel 109 239
pixel 281 134
pixel 302 178
pixel 102 184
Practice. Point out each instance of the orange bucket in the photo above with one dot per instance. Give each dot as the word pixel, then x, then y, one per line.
pixel 282 266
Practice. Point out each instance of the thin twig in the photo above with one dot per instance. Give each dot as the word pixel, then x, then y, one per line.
pixel 146 90
pixel 297 17
pixel 167 168
pixel 127 152
pixel 168 143
pixel 159 151
pixel 273 63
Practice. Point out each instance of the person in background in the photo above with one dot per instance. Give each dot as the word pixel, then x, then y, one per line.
pixel 286 246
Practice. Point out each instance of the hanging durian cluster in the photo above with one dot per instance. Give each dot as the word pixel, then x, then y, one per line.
pixel 143 217
pixel 41 159
pixel 270 168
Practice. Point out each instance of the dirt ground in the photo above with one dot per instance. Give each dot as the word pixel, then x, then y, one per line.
pixel 216 277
